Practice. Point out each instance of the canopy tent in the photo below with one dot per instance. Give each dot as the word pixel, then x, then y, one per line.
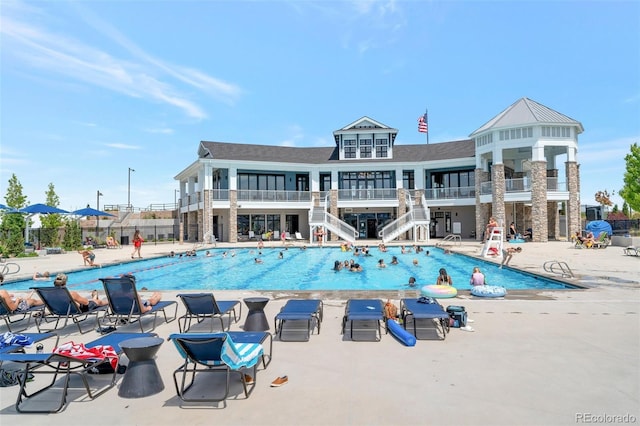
pixel 599 226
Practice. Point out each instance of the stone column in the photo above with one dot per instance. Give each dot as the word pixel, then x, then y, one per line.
pixel 554 220
pixel 539 220
pixel 402 206
pixel 497 198
pixel 333 208
pixel 482 210
pixel 573 205
pixel 207 212
pixel 233 216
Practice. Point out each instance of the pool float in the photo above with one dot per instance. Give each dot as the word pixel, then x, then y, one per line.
pixel 400 333
pixel 488 291
pixel 439 291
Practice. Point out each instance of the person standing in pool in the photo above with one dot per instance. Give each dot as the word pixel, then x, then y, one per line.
pixel 477 277
pixel 137 244
pixel 444 278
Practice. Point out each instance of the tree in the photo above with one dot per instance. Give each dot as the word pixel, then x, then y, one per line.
pixel 12 227
pixel 625 209
pixel 72 239
pixel 51 223
pixel 630 192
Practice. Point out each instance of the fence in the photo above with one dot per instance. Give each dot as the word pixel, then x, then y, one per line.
pixel 152 234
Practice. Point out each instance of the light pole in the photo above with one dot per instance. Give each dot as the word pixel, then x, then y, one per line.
pixel 175 202
pixel 98 195
pixel 129 189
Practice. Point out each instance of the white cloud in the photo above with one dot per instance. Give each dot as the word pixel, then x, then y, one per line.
pixel 71 58
pixel 122 146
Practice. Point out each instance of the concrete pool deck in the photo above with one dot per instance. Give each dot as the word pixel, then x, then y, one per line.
pixel 543 357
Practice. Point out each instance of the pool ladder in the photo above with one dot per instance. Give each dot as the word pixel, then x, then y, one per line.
pixel 559 268
pixel 450 240
pixel 6 268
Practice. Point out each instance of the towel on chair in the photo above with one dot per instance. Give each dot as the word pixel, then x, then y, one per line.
pixel 80 351
pixel 10 339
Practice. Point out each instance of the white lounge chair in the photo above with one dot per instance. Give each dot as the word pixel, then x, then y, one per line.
pixel 299 236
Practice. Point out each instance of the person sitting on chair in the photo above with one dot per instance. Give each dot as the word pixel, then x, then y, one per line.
pixel 83 303
pixel 19 303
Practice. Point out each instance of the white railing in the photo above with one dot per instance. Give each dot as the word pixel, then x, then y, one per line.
pixel 273 196
pixel 450 193
pixel 401 224
pixel 523 185
pixel 367 194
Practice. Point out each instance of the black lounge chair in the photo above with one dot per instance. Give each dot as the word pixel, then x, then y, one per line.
pixel 364 313
pixel 201 306
pixel 425 314
pixel 58 365
pixel 124 303
pixel 213 353
pixel 60 307
pixel 306 311
pixel 12 317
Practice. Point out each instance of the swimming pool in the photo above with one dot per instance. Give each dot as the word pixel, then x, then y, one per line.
pixel 300 269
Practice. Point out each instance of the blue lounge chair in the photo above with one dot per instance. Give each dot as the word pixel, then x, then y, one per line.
pixel 364 312
pixel 424 314
pixel 31 337
pixel 213 353
pixel 201 306
pixel 11 317
pixel 60 307
pixel 65 366
pixel 255 337
pixel 307 311
pixel 124 303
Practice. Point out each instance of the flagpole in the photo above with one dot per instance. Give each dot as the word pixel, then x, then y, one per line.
pixel 426 112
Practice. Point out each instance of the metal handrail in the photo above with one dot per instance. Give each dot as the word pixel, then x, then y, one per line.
pixel 552 266
pixel 6 268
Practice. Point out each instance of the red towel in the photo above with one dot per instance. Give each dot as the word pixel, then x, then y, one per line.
pixel 80 351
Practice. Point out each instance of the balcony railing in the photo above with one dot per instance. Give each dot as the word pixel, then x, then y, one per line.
pixel 221 194
pixel 523 185
pixel 367 194
pixel 450 193
pixel 269 196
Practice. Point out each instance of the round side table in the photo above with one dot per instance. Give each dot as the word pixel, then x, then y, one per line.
pixel 256 318
pixel 142 377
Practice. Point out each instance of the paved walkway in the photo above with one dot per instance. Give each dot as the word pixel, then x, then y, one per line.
pixel 547 357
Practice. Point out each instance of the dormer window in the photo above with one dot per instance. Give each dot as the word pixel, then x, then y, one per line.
pixel 366 148
pixel 382 148
pixel 349 148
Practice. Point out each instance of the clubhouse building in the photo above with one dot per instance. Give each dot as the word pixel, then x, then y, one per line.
pixel 521 166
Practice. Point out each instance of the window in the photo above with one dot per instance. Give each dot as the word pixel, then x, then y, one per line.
pixel 261 182
pixel 382 152
pixel 366 148
pixel 556 131
pixel 376 180
pixel 349 148
pixel 408 179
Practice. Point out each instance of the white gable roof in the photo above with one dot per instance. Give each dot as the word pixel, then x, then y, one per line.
pixel 526 112
pixel 364 123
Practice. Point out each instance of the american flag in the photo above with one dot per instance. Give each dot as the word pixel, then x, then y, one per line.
pixel 423 126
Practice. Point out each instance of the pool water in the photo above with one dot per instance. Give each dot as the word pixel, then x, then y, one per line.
pixel 300 269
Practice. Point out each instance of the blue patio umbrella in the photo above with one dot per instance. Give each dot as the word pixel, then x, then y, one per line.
pixel 8 209
pixel 42 209
pixel 90 212
pixel 39 209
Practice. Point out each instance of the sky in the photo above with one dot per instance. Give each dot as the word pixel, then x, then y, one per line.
pixel 89 90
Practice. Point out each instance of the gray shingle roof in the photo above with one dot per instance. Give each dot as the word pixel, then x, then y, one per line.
pixel 329 155
pixel 525 112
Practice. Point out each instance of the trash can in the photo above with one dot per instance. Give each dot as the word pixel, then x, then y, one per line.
pixel 124 240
